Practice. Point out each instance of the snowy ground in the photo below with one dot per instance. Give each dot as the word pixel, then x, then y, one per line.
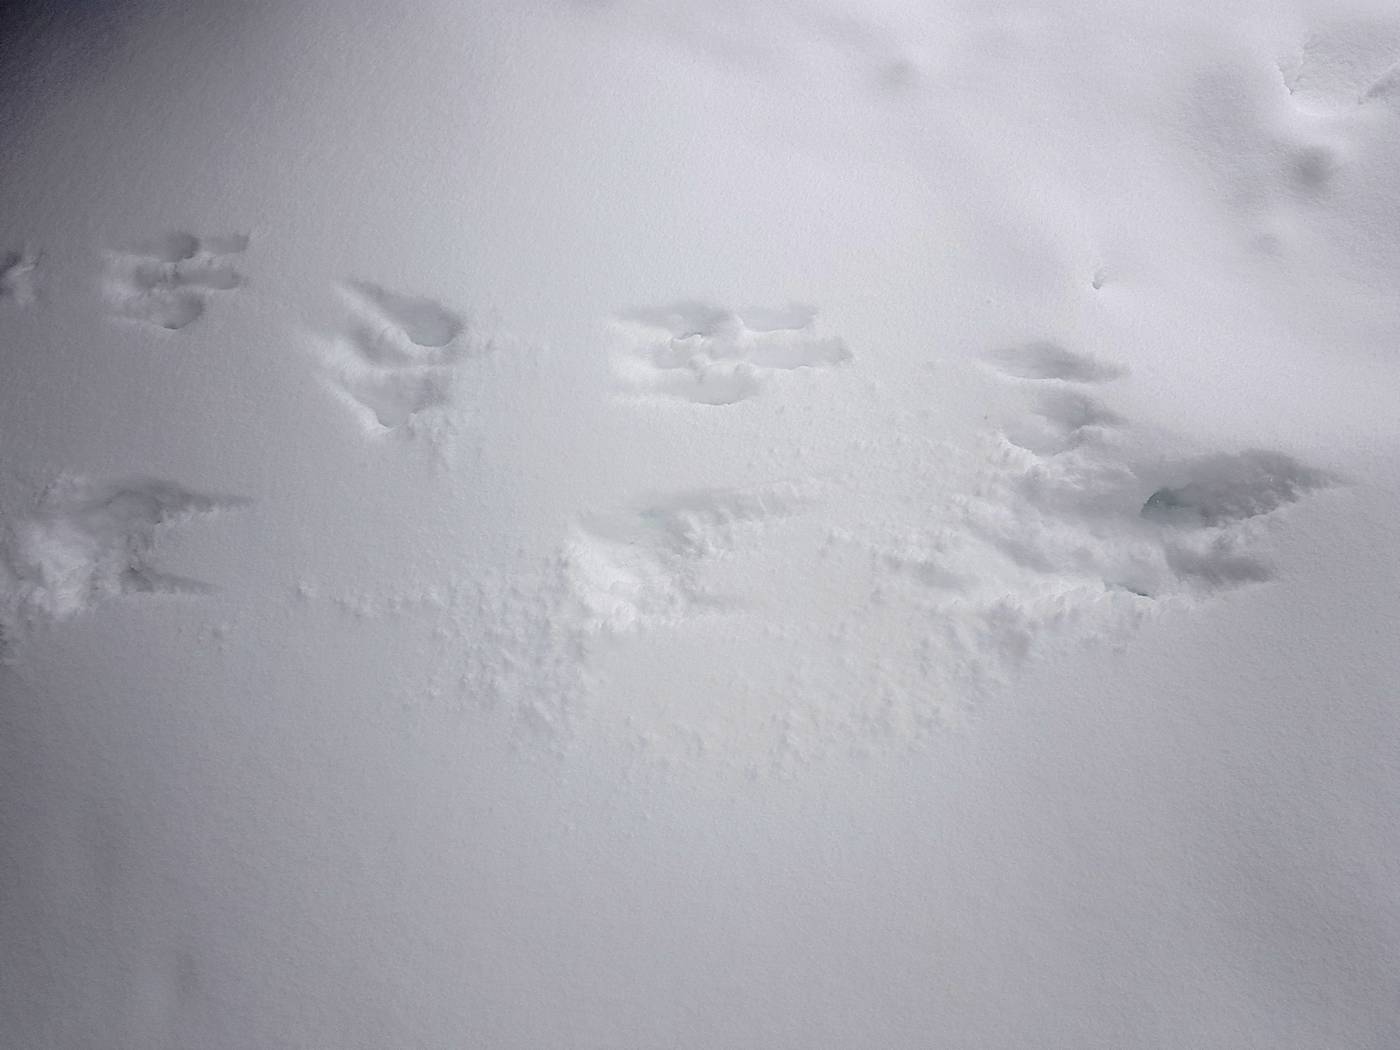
pixel 736 523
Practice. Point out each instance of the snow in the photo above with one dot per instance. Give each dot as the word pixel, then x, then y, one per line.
pixel 784 523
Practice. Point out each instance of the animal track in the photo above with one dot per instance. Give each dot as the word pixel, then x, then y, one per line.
pixel 166 281
pixel 425 324
pixel 1198 505
pixel 18 277
pixel 1062 420
pixel 395 397
pixel 1047 360
pixel 395 359
pixel 89 542
pixel 642 566
pixel 711 355
pixel 1217 490
pixel 1069 531
pixel 1343 63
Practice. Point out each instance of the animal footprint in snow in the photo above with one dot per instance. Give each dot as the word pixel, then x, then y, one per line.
pixel 1060 420
pixel 18 277
pixel 1091 510
pixel 642 566
pixel 166 282
pixel 1341 63
pixel 395 359
pixel 1044 360
pixel 1205 509
pixel 711 355
pixel 88 542
pixel 1072 524
pixel 403 329
pixel 1220 489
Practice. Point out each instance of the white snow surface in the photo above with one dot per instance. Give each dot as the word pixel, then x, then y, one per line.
pixel 743 523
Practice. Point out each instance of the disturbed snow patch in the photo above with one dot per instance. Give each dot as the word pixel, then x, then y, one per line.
pixel 1074 530
pixel 88 542
pixel 939 573
pixel 507 641
pixel 766 625
pixel 763 628
pixel 642 565
pixel 712 355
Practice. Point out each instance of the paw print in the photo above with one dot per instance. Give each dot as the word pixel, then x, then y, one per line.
pixel 166 282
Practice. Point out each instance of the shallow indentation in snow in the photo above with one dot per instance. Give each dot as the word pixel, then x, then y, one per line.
pixel 166 281
pixel 423 322
pixel 19 277
pixel 1221 489
pixel 1062 420
pixel 394 362
pixel 1073 503
pixel 708 354
pixel 1046 360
